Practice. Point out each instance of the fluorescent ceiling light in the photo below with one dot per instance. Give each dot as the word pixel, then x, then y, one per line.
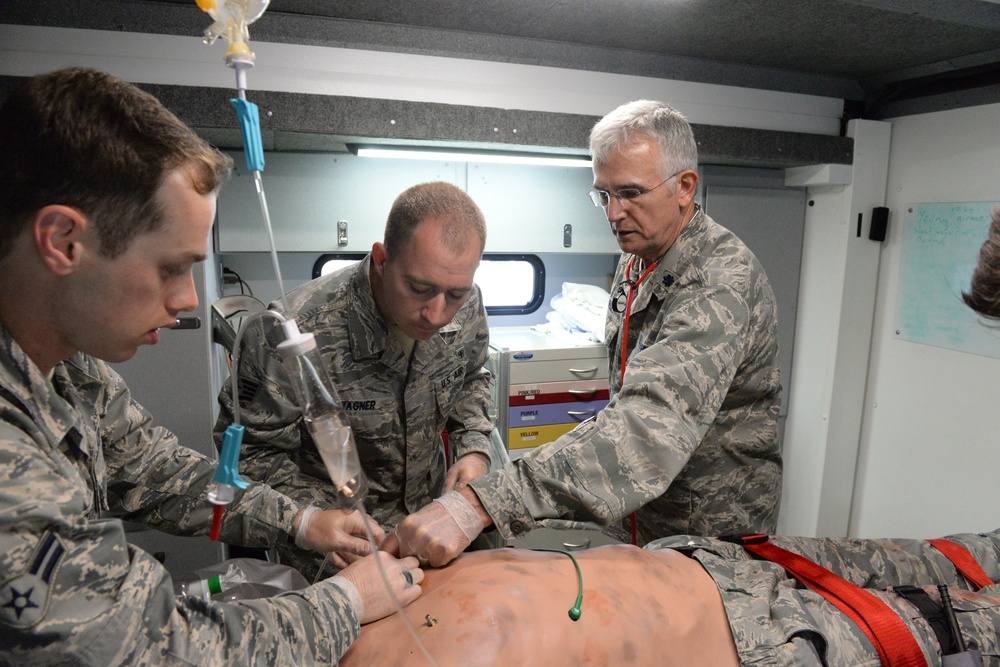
pixel 459 156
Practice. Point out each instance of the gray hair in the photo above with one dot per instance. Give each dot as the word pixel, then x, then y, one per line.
pixel 656 120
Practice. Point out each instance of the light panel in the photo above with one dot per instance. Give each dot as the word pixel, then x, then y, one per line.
pixel 462 156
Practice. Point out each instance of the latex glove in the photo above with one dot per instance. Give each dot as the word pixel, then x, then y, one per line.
pixel 369 597
pixel 341 559
pixel 437 533
pixel 340 533
pixel 467 468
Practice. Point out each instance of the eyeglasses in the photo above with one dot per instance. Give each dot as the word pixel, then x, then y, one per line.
pixel 602 198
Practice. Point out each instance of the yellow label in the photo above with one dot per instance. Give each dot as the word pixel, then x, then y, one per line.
pixel 532 436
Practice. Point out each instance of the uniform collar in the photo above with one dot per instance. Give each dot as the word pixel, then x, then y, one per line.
pixel 369 333
pixel 48 403
pixel 672 265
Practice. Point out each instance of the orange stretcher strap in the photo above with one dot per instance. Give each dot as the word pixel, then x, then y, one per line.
pixel 963 561
pixel 887 632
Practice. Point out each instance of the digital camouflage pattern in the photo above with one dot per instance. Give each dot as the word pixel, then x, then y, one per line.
pixel 397 409
pixel 778 622
pixel 76 456
pixel 689 441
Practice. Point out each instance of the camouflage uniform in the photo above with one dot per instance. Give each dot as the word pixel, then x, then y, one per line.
pixel 777 622
pixel 75 451
pixel 689 441
pixel 397 409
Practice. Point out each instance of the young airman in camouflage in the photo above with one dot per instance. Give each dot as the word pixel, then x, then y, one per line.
pixel 107 203
pixel 404 337
pixel 689 440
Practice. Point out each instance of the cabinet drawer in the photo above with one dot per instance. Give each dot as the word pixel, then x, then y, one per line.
pixel 559 392
pixel 590 368
pixel 527 437
pixel 543 414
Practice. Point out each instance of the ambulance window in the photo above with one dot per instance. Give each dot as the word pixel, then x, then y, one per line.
pixel 512 284
pixel 330 262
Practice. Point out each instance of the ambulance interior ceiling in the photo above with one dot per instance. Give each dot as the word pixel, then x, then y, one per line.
pixel 884 58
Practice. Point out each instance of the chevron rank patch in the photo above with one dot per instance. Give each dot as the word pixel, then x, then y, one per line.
pixel 24 599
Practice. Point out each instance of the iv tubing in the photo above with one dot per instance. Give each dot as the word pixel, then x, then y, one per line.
pixel 240 68
pixel 233 375
pixel 385 582
pixel 395 600
pixel 241 79
pixel 259 183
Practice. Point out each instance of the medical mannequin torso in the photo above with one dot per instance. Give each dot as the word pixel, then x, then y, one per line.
pixel 480 601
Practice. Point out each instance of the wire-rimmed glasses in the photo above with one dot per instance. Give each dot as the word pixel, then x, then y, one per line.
pixel 602 198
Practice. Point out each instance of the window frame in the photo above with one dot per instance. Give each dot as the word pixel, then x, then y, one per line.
pixel 534 260
pixel 539 273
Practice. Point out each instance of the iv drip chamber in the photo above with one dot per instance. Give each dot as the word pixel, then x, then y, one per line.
pixel 325 418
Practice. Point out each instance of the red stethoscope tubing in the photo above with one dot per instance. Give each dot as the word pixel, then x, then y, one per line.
pixel 628 312
pixel 628 307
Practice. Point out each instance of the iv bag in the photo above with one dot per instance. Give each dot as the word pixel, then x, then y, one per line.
pixel 325 418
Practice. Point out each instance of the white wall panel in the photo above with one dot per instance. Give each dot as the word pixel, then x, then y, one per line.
pixel 929 448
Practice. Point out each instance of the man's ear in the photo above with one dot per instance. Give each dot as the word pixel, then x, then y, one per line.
pixel 379 257
pixel 687 186
pixel 58 234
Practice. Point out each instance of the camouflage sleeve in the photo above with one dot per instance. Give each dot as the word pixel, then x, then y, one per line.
pixel 153 480
pixel 605 469
pixel 880 563
pixel 869 563
pixel 74 592
pixel 271 419
pixel 469 425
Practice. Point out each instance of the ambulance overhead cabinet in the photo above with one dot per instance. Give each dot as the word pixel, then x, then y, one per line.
pixel 337 202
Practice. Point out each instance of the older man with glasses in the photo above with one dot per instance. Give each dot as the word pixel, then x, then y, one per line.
pixel 689 440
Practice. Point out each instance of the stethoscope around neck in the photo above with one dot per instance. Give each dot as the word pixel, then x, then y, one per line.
pixel 622 303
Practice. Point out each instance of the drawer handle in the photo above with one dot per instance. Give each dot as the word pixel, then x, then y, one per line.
pixel 583 392
pixel 580 413
pixel 583 371
pixel 576 546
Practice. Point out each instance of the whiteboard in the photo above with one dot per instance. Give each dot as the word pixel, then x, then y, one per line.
pixel 941 243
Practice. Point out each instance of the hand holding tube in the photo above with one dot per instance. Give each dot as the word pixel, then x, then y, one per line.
pixel 339 533
pixel 438 532
pixel 370 598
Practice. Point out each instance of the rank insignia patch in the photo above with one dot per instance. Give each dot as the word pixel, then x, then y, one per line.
pixel 24 600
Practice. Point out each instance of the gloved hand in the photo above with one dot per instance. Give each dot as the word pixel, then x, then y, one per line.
pixel 363 584
pixel 467 468
pixel 438 532
pixel 340 533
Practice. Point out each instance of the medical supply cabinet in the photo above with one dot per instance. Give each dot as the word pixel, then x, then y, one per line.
pixel 544 386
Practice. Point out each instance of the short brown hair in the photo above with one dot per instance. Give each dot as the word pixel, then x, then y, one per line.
pixel 436 199
pixel 85 139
